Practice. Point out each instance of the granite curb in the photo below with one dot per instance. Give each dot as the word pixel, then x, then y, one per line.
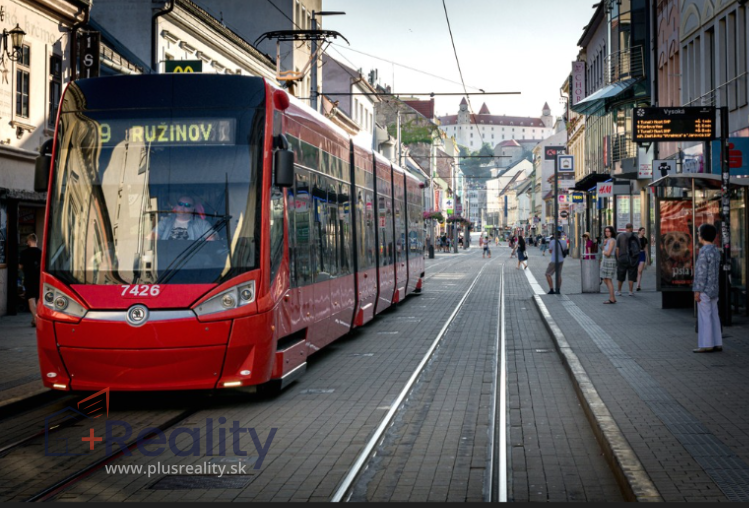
pixel 627 468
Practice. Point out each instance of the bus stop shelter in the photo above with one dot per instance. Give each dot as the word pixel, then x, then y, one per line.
pixel 683 202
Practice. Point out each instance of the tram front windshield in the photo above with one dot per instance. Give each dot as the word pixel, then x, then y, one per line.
pixel 156 197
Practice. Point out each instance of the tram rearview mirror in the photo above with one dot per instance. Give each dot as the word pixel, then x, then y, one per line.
pixel 283 162
pixel 41 170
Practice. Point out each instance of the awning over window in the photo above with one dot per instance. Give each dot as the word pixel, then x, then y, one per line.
pixel 591 180
pixel 597 100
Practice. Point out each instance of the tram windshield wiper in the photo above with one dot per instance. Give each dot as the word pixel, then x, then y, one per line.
pixel 192 249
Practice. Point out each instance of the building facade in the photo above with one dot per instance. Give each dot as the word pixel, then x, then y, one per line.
pixel 30 90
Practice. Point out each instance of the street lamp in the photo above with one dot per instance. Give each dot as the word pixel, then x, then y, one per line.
pixel 14 51
pixel 313 83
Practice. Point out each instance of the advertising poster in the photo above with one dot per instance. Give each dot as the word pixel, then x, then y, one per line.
pixel 676 245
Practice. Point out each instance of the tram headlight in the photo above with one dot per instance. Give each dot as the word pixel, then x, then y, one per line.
pixel 238 296
pixel 247 293
pixel 58 301
pixel 228 301
pixel 61 303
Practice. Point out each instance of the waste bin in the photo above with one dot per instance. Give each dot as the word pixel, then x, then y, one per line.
pixel 591 276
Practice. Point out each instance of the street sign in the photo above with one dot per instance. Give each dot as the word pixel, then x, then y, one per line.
pixel 673 124
pixel 183 66
pixel 459 208
pixel 563 214
pixel 663 168
pixel 89 44
pixel 562 198
pixel 551 152
pixel 578 197
pixel 566 163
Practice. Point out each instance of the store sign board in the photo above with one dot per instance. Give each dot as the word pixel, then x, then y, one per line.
pixel 605 190
pixel 738 157
pixel 645 172
pixel 578 83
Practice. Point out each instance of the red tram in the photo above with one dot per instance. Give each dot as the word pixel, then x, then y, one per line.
pixel 207 231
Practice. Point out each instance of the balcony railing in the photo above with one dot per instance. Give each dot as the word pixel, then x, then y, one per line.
pixel 624 65
pixel 622 147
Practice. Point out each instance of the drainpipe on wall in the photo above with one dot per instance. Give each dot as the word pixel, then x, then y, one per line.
pixel 74 42
pixel 155 36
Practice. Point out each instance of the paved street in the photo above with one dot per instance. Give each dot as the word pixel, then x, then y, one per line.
pixel 438 447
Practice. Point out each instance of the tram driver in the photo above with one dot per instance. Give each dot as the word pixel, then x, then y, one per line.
pixel 185 223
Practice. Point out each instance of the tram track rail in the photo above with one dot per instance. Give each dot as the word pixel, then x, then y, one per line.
pixel 60 486
pixel 345 488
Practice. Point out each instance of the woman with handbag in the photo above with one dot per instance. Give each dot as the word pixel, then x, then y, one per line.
pixel 522 256
pixel 608 265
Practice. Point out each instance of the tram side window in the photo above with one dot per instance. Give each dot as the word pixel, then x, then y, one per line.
pixel 345 238
pixel 276 231
pixel 332 228
pixel 319 237
pixel 302 216
pixel 400 226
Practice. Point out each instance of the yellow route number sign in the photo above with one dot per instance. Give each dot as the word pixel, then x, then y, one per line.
pixel 183 66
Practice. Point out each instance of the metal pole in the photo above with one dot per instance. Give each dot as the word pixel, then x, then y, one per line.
pixel 431 199
pixel 313 82
pixel 400 145
pixel 725 189
pixel 554 235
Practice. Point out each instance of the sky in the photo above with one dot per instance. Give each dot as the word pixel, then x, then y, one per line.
pixel 524 46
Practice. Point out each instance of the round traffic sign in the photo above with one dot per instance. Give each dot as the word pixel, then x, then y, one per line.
pixel 564 214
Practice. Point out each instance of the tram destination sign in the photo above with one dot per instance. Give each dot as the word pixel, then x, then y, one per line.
pixel 673 124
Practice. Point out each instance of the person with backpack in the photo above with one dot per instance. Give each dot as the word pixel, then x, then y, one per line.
pixel 627 258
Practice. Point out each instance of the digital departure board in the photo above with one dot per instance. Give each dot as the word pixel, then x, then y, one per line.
pixel 673 124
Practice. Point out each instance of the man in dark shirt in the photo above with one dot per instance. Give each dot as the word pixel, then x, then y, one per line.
pixel 30 263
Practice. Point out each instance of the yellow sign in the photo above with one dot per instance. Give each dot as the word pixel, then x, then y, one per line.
pixel 205 131
pixel 175 66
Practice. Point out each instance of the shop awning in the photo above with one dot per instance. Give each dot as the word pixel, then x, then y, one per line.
pixel 597 100
pixel 591 180
pixel 701 181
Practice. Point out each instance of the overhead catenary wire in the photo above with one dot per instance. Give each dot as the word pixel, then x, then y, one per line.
pixel 460 72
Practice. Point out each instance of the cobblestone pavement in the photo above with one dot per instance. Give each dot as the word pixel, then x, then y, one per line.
pixel 19 376
pixel 438 447
pixel 684 414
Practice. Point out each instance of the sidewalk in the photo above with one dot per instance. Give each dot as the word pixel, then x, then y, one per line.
pixel 19 375
pixel 685 415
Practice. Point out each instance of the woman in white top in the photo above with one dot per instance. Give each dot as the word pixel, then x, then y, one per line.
pixel 608 266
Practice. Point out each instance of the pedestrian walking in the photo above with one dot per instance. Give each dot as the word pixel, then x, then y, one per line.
pixel 513 246
pixel 486 244
pixel 544 246
pixel 706 289
pixel 483 246
pixel 608 263
pixel 644 256
pixel 557 251
pixel 522 254
pixel 627 259
pixel 31 262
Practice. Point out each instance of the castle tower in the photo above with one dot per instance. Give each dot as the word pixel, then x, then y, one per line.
pixel 546 117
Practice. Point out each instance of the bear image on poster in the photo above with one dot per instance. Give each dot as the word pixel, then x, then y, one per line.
pixel 676 258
